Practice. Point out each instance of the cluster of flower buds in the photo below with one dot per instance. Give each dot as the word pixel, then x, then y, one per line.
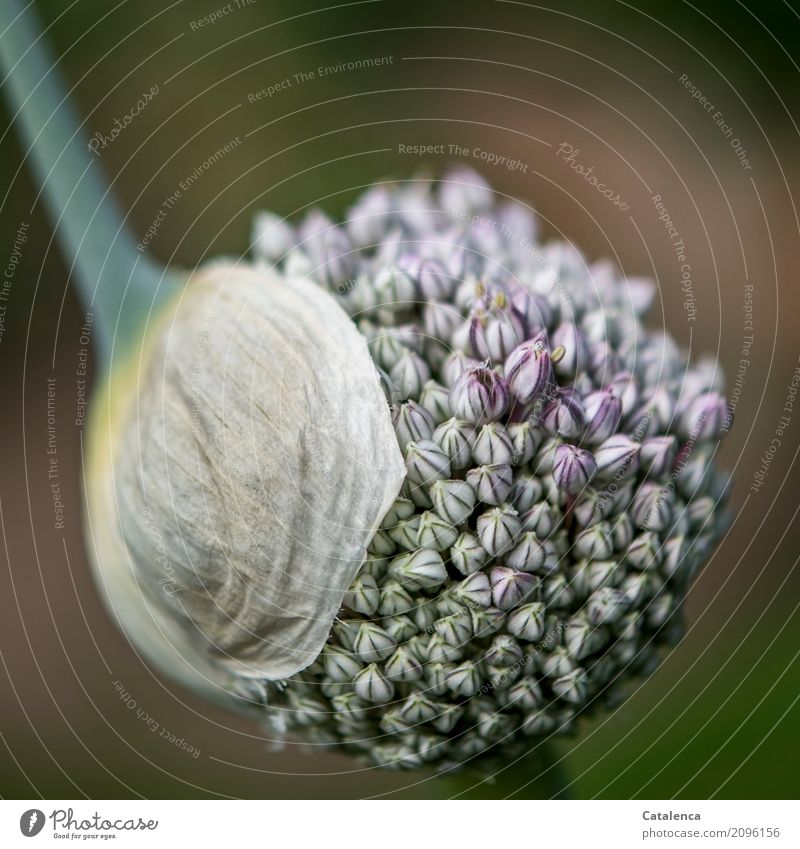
pixel 560 492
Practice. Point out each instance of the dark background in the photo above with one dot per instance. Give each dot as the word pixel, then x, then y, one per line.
pixel 720 717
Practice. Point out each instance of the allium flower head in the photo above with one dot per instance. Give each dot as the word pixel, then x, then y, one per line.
pixel 553 468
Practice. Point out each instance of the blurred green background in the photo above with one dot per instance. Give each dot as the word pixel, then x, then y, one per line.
pixel 720 717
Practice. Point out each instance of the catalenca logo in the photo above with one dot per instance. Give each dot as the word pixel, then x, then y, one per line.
pixel 31 822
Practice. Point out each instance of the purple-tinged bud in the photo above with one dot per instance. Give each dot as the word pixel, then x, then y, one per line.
pixel 511 588
pixel 696 472
pixel 590 507
pixel 457 364
pixel 395 291
pixel 368 218
pixel 528 371
pixel 707 417
pixel 492 484
pixel 411 423
pixel 479 395
pixel 573 468
pixel 453 500
pixel 529 554
pixel 492 445
pixel 467 554
pixel 576 350
pixel 657 455
pixel 603 413
pixel 426 462
pixel 387 350
pixel 435 398
pixel 409 375
pixel 455 438
pixel 564 416
pixel 498 528
pixel 700 513
pixel 435 532
pixel 572 687
pixel 651 508
pixel 524 440
pixel 525 694
pixel 617 457
pixel 603 361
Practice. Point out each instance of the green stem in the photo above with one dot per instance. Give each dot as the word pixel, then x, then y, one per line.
pixel 115 281
pixel 538 775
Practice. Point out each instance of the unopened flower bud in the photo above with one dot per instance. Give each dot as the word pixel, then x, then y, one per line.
pixel 435 532
pixel 705 418
pixel 497 529
pixel 524 440
pixel 528 371
pixel 510 587
pixel 340 666
pixel 453 500
pixel 603 413
pixel 455 438
pixel 475 591
pixel 564 416
pixel 426 462
pixel 526 492
pixel 363 595
pixel 573 468
pixel 616 457
pixel 435 398
pixel 371 685
pixel 467 554
pixel 372 643
pixel 576 350
pixel 529 554
pixel 527 622
pixel 423 569
pixel 657 455
pixel 409 375
pixel 606 605
pixel 492 445
pixel 652 507
pixel 492 484
pixel 595 543
pixel 411 423
pixel 479 395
